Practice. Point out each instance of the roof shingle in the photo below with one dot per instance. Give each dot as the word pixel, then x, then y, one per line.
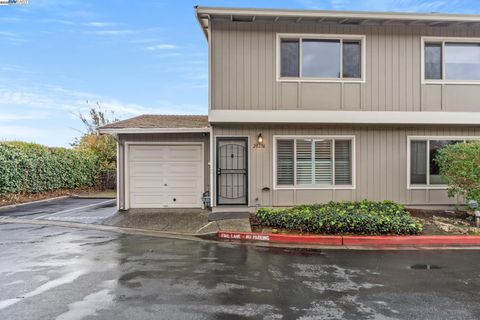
pixel 151 121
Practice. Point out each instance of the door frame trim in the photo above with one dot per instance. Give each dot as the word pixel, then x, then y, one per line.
pixel 127 161
pixel 247 191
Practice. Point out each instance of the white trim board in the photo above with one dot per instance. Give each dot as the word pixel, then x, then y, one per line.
pixel 343 117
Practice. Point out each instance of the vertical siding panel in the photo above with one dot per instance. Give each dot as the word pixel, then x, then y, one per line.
pixel 402 71
pixel 363 165
pixel 371 164
pixel 269 67
pixel 255 68
pixel 388 74
pixel 409 67
pixel 225 67
pixel 248 66
pixel 395 69
pixel 416 64
pixel 216 65
pixel 233 54
pixel 369 66
pixel 402 138
pixel 377 71
pixel 240 75
pixel 262 66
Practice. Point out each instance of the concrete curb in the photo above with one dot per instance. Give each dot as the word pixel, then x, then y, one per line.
pixel 93 196
pixel 10 206
pixel 354 241
pixel 134 231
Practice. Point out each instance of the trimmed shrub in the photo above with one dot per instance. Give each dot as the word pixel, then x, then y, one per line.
pixel 33 168
pixel 364 217
pixel 460 165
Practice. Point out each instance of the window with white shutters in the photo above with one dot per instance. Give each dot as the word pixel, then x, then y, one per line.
pixel 285 162
pixel 323 162
pixel 343 162
pixel 304 160
pixel 314 162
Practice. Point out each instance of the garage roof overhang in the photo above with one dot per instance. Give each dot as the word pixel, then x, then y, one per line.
pixel 153 130
pixel 205 14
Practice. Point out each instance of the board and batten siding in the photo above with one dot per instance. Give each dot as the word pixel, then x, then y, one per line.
pixel 160 138
pixel 243 71
pixel 381 164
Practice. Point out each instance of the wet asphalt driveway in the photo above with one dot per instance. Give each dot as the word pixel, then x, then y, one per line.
pixel 81 210
pixel 57 273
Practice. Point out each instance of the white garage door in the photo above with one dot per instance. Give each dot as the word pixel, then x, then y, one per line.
pixel 165 176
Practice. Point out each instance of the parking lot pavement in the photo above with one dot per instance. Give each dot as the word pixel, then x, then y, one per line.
pixel 70 209
pixel 51 272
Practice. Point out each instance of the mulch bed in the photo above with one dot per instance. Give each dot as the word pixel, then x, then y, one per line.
pixel 22 198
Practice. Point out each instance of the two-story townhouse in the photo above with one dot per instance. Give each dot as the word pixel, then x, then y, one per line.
pixel 311 106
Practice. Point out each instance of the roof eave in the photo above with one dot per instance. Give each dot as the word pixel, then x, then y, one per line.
pixel 204 13
pixel 152 130
pixel 201 21
pixel 337 14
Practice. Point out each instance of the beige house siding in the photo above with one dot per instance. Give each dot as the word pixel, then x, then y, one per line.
pixel 243 71
pixel 159 139
pixel 381 164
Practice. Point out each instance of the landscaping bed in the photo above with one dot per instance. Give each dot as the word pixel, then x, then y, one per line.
pixel 446 222
pixel 362 218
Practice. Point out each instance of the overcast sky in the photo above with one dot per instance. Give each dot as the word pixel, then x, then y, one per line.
pixel 133 57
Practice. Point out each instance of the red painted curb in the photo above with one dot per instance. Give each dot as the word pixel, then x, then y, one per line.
pixel 280 238
pixel 352 240
pixel 410 240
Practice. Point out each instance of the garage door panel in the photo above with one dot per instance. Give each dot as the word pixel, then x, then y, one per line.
pixel 184 169
pixel 182 200
pixel 146 153
pixel 144 200
pixel 184 153
pixel 165 176
pixel 147 168
pixel 147 182
pixel 179 184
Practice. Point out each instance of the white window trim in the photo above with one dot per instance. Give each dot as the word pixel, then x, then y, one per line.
pixel 340 37
pixel 442 40
pixel 319 187
pixel 429 186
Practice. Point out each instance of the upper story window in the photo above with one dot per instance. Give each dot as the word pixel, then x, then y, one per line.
pixel 455 60
pixel 321 58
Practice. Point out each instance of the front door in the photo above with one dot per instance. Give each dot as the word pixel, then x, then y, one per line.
pixel 232 171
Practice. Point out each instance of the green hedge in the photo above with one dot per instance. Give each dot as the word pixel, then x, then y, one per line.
pixel 364 217
pixel 33 168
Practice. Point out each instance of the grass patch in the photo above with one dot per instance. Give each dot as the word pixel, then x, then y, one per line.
pixel 363 217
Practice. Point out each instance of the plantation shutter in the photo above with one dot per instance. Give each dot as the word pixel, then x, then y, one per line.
pixel 323 162
pixel 285 162
pixel 343 162
pixel 304 158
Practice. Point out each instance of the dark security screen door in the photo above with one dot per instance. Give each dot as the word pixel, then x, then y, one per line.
pixel 232 171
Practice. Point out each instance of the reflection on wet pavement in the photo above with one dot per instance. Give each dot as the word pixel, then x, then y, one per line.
pixel 52 272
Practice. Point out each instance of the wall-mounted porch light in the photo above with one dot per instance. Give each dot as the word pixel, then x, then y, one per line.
pixel 260 138
pixel 259 143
